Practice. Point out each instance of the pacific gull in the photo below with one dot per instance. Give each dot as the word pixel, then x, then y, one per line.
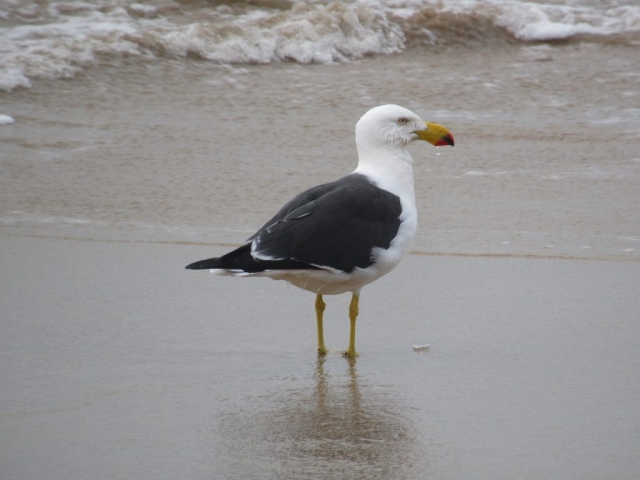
pixel 340 236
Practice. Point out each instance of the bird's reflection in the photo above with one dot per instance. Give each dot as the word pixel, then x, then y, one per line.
pixel 340 427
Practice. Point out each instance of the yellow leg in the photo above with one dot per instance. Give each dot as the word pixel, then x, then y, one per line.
pixel 353 314
pixel 319 312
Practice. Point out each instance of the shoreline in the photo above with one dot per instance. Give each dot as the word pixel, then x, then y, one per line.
pixel 227 245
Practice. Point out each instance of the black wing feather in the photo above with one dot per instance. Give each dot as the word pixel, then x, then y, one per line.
pixel 241 259
pixel 333 225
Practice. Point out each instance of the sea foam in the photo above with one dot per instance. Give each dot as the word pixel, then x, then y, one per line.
pixel 60 39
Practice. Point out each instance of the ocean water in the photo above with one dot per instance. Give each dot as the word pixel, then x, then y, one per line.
pixel 193 121
pixel 51 39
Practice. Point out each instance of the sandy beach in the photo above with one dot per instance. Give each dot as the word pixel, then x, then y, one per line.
pixel 146 137
pixel 136 369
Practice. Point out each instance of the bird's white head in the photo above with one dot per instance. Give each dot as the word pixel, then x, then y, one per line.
pixel 395 127
pixel 382 137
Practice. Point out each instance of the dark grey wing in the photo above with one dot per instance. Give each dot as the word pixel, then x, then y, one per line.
pixel 242 260
pixel 299 201
pixel 334 225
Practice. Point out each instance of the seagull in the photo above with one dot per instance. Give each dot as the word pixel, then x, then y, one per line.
pixel 340 236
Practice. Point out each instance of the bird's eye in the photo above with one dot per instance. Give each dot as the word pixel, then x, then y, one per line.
pixel 403 121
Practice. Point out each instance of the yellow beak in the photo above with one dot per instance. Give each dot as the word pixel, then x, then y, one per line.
pixel 436 135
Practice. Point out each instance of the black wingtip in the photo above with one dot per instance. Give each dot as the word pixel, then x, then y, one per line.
pixel 204 264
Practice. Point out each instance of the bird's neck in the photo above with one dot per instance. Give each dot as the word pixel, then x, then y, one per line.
pixel 390 169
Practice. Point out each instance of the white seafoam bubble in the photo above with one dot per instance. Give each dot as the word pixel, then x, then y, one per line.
pixel 425 347
pixel 6 120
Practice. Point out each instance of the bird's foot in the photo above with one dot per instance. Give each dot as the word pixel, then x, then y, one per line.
pixel 350 354
pixel 323 350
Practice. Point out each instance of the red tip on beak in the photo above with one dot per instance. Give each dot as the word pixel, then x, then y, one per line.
pixel 446 140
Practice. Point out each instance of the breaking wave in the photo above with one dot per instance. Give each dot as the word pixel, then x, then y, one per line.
pixel 58 39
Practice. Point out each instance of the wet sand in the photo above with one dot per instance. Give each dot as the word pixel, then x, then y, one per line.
pixel 118 364
pixel 546 160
